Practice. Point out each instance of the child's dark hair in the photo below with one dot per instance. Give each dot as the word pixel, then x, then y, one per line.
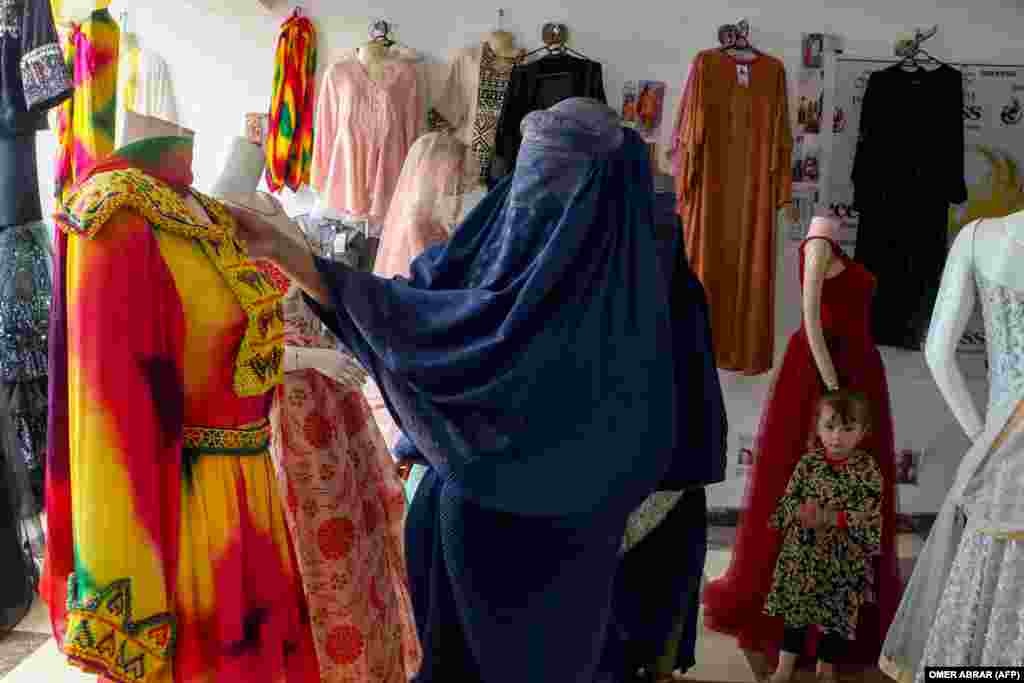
pixel 849 407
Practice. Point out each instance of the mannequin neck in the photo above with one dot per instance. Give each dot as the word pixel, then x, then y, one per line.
pixel 374 57
pixel 373 52
pixel 503 43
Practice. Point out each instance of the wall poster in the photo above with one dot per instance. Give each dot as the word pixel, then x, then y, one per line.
pixel 993 112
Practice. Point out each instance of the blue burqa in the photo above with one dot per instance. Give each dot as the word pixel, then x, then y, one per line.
pixel 529 361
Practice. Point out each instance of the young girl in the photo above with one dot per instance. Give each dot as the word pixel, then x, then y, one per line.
pixel 831 523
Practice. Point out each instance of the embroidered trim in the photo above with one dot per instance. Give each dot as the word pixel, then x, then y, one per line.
pixel 102 636
pixel 11 12
pixel 220 441
pixel 259 361
pixel 44 75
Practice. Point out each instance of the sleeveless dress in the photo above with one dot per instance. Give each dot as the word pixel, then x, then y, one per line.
pixel 733 604
pixel 976 562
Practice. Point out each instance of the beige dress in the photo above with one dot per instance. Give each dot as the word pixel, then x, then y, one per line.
pixel 469 95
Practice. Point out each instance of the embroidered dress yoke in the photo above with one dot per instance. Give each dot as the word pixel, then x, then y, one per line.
pixel 168 555
pixel 364 129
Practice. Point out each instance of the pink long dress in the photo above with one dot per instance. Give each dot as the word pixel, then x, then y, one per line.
pixel 345 508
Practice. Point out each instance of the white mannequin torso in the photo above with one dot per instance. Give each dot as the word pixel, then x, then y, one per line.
pixel 992 248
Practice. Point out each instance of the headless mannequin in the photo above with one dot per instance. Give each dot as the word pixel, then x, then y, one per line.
pixel 993 247
pixel 237 186
pixel 504 44
pixel 820 264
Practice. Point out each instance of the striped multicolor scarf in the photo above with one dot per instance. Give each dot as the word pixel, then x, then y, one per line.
pixel 290 136
pixel 86 121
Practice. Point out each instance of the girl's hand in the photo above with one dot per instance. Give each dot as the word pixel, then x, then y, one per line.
pixel 809 514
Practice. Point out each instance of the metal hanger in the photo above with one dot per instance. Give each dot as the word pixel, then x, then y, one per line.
pixel 912 51
pixel 736 38
pixel 555 37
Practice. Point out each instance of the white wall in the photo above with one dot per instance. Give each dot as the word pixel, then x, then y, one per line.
pixel 221 56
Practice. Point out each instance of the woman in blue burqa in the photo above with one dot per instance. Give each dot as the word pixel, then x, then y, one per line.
pixel 529 361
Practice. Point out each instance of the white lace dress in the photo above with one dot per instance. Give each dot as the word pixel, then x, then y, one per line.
pixel 980 618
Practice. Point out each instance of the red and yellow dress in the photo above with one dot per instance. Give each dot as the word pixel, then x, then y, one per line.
pixel 168 556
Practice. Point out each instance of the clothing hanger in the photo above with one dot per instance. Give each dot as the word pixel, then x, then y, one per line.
pixel 735 39
pixel 555 37
pixel 911 50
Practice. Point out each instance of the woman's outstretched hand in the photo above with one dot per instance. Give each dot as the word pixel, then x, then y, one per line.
pixel 263 238
pixel 275 237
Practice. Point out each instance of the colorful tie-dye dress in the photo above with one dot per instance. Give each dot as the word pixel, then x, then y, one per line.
pixel 168 554
pixel 86 122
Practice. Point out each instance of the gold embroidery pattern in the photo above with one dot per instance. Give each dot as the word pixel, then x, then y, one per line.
pixel 215 440
pixel 259 362
pixel 103 638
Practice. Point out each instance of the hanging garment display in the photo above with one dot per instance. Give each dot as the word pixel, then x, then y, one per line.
pixel 289 144
pixel 86 122
pixel 33 79
pixel 340 484
pixel 734 603
pixel 33 76
pixel 733 174
pixel 908 171
pixel 470 100
pixel 167 544
pixel 364 129
pixel 144 86
pixel 538 85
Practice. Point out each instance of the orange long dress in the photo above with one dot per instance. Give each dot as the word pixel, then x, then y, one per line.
pixel 735 147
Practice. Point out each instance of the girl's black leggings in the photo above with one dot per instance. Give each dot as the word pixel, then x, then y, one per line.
pixel 830 645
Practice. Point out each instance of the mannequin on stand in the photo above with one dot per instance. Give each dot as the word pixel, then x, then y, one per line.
pixel 832 349
pixel 334 471
pixel 978 537
pixel 166 530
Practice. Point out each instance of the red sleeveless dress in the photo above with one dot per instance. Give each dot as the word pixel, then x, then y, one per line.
pixel 734 603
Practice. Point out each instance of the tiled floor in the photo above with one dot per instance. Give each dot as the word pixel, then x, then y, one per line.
pixel 718 659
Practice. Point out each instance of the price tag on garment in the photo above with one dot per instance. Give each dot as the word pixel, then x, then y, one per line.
pixel 743 74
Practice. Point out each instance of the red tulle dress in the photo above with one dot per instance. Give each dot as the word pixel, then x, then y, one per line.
pixel 734 603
